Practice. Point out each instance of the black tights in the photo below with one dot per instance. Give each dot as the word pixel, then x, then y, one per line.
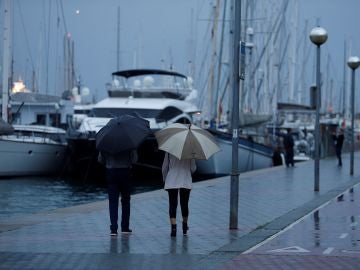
pixel 184 201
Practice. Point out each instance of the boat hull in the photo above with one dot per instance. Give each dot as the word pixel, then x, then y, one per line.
pixel 251 156
pixel 18 158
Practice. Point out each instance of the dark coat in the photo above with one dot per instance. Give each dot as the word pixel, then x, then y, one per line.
pixel 339 141
pixel 288 142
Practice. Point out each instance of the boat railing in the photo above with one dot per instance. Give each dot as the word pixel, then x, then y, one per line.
pixel 36 137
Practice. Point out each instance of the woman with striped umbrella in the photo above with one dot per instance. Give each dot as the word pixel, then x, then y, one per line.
pixel 183 144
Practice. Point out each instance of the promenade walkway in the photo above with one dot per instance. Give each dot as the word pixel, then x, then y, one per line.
pixel 269 201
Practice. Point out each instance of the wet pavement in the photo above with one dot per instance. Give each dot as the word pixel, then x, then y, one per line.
pixel 330 230
pixel 327 238
pixel 276 205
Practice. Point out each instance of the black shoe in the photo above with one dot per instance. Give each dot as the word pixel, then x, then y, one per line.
pixel 173 230
pixel 126 231
pixel 113 233
pixel 185 228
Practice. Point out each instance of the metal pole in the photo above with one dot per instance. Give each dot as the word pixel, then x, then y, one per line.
pixel 344 85
pixel 352 121
pixel 234 185
pixel 6 58
pixel 317 123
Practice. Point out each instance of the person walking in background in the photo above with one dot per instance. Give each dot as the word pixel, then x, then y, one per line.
pixel 177 175
pixel 338 142
pixel 118 182
pixel 289 148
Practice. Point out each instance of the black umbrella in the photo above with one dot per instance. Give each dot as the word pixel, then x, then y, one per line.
pixel 122 133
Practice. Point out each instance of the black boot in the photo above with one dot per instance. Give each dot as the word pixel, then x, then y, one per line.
pixel 173 230
pixel 185 228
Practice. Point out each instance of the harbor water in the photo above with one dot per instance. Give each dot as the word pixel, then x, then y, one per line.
pixel 29 195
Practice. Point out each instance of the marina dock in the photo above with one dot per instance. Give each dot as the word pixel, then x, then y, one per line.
pixel 273 202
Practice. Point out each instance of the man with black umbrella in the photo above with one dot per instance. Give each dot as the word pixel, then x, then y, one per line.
pixel 117 142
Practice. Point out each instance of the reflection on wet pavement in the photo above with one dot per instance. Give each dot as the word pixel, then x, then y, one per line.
pixel 330 230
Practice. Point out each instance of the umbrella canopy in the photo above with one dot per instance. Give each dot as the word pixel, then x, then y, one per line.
pixel 187 141
pixel 122 133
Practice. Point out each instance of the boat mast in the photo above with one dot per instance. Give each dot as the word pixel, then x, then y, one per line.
pixel 327 98
pixel 211 83
pixel 192 47
pixel 305 53
pixel 118 40
pixel 6 58
pixel 248 91
pixel 293 56
pixel 219 67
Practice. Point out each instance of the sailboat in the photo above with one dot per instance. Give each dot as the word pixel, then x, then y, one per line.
pixel 252 153
pixel 26 149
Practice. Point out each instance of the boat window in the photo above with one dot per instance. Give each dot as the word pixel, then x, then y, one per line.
pixel 41 119
pixel 60 138
pixel 113 112
pixel 156 81
pixel 22 133
pixel 56 137
pixel 81 111
pixel 55 119
pixel 150 81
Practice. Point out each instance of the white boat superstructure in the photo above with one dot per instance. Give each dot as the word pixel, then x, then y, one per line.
pixel 32 150
pixel 159 112
pixel 162 97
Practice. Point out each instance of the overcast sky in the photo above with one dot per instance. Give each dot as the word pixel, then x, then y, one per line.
pixel 340 19
pixel 150 30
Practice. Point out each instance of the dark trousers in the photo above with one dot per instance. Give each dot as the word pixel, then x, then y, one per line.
pixel 184 201
pixel 338 154
pixel 289 157
pixel 118 182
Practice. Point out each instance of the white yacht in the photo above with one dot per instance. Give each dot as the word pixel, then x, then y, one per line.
pixel 32 150
pixel 160 96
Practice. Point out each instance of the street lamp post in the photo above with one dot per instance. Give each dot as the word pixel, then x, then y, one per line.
pixel 318 36
pixel 353 63
pixel 235 81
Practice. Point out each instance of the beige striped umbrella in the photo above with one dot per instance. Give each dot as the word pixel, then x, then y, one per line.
pixel 186 141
